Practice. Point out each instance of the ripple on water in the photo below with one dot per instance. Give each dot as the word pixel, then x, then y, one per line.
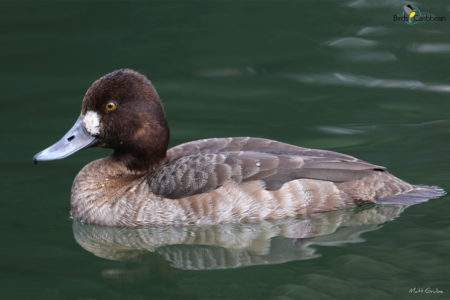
pixel 430 48
pixel 338 130
pixel 428 123
pixel 371 3
pixel 369 56
pixel 372 30
pixel 351 42
pixel 366 81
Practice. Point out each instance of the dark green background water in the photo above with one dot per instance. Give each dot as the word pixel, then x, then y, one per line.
pixel 338 75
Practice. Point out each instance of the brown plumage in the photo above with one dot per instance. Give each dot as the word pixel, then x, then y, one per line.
pixel 208 181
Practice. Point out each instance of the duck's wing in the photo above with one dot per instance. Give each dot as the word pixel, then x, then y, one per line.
pixel 205 165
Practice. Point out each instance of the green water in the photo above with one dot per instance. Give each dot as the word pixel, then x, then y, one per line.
pixel 339 75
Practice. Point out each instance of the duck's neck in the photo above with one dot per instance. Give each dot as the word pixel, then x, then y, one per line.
pixel 139 162
pixel 145 150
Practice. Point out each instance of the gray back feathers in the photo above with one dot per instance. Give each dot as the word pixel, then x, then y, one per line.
pixel 204 165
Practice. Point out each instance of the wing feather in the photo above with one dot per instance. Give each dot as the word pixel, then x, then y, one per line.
pixel 205 165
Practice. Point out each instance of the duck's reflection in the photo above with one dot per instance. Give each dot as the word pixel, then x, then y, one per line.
pixel 234 245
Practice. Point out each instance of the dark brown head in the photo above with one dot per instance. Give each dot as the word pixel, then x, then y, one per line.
pixel 122 111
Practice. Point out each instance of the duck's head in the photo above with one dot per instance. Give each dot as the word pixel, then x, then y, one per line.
pixel 122 111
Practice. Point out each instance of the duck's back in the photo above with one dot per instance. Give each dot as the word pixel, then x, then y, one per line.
pixel 205 165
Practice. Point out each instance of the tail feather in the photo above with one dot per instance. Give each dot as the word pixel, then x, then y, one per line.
pixel 419 194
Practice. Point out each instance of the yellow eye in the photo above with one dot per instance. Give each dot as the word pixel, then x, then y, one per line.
pixel 110 106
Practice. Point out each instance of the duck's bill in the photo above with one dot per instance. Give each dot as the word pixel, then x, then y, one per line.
pixel 74 140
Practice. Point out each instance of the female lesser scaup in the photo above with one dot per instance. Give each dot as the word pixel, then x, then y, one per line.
pixel 209 181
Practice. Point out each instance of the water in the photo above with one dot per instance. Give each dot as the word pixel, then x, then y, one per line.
pixel 337 75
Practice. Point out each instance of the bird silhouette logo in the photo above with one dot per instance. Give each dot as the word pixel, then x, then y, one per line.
pixel 411 12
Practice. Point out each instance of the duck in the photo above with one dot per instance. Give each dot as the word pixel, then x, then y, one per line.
pixel 209 181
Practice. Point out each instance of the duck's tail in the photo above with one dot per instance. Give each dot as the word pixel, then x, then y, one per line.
pixel 419 194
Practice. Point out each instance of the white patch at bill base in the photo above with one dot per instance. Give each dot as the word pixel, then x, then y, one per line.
pixel 91 122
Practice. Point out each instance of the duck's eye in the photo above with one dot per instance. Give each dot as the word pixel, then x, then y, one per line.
pixel 110 106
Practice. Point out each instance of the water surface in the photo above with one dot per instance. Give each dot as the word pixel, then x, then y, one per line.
pixel 338 75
